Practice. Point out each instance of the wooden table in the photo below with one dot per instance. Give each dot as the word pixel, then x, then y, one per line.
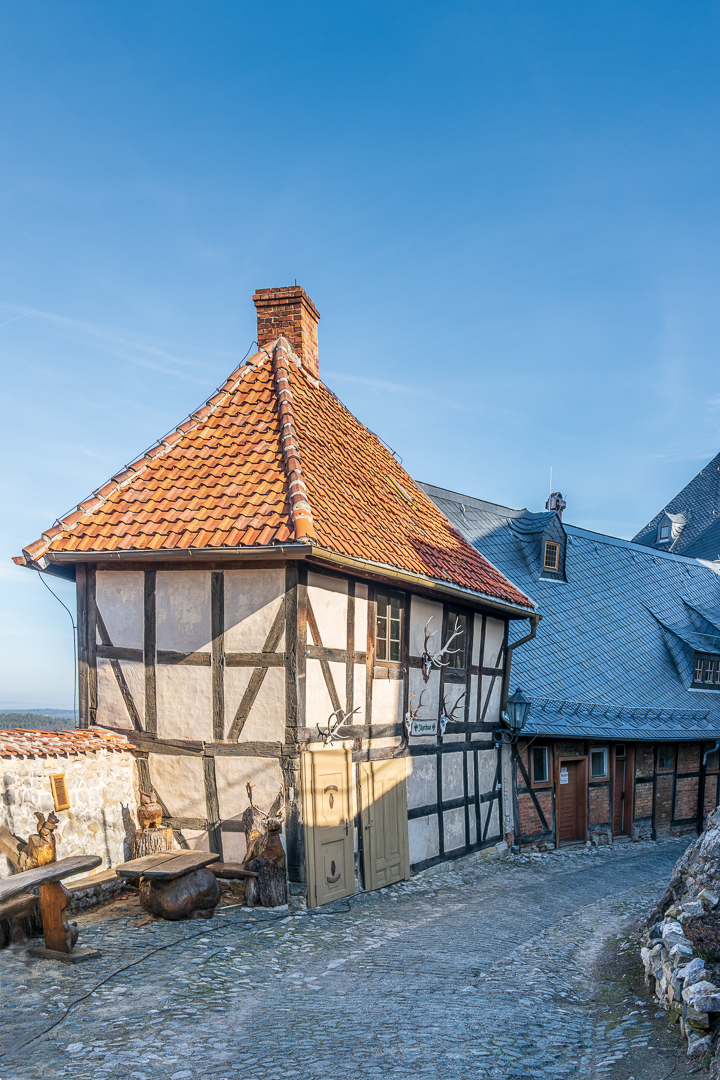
pixel 167 865
pixel 59 936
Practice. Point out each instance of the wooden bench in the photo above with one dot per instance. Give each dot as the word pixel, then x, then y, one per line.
pixel 175 884
pixel 166 865
pixel 60 937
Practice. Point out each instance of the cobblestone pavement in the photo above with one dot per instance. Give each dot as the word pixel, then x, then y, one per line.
pixel 482 972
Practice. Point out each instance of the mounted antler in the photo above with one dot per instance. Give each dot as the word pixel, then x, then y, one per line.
pixel 450 717
pixel 412 714
pixel 431 660
pixel 332 731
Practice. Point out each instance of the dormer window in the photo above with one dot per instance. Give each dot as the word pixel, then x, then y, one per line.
pixel 663 534
pixel 706 671
pixel 551 560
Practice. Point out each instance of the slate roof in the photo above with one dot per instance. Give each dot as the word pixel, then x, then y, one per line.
pixel 699 501
pixel 613 652
pixel 28 743
pixel 274 458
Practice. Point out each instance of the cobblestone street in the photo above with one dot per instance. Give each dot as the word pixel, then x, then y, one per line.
pixel 487 971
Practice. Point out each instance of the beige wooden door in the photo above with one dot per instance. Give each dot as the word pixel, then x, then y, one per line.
pixel 329 848
pixel 384 822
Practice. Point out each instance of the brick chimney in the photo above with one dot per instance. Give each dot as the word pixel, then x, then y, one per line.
pixel 289 311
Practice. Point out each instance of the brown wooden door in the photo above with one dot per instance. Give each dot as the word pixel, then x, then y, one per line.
pixel 329 847
pixel 384 822
pixel 568 793
pixel 622 791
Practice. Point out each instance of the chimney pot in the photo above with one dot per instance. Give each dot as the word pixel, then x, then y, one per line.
pixel 289 311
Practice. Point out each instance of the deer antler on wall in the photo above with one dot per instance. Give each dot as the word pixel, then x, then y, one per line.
pixel 412 714
pixel 430 660
pixel 450 717
pixel 332 731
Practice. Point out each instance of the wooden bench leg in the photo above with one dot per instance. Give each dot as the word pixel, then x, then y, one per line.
pixel 60 936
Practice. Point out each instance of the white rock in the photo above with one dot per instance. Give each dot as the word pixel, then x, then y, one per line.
pixel 701 987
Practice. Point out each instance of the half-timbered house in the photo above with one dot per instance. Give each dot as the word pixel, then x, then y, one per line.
pixel 266 597
pixel 622 732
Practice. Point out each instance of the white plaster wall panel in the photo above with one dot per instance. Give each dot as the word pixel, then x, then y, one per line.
pixel 120 600
pixel 477 639
pixel 252 601
pixel 421 781
pixel 180 783
pixel 359 693
pixel 387 701
pixel 183 610
pixel 454 829
pixel 420 611
pixel 472 823
pixel 491 810
pixel 103 797
pixel 232 774
pixel 234 846
pixel 487 764
pixel 361 616
pixel 431 698
pixel 472 715
pixel 266 722
pixel 196 840
pixel 494 635
pixel 328 597
pixel 492 716
pixel 452 776
pixel 470 768
pixel 112 710
pixel 453 738
pixel 318 704
pixel 184 702
pixel 423 838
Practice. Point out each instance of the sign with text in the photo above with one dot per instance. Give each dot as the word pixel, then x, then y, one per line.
pixel 564 778
pixel 423 727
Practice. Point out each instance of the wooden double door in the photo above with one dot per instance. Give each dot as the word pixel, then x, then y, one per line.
pixel 623 759
pixel 329 831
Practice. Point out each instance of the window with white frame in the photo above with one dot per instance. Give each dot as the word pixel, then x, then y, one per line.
pixel 598 764
pixel 706 671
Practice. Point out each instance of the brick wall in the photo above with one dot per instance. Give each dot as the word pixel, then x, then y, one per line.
pixel 599 797
pixel 711 792
pixel 530 823
pixel 643 800
pixel 686 799
pixel 688 759
pixel 644 761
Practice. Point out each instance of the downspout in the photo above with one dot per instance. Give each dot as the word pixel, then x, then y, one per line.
pixel 534 620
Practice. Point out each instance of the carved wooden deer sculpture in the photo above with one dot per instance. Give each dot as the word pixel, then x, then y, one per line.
pixel 265 853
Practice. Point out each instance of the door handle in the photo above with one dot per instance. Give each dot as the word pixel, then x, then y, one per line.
pixel 347 827
pixel 369 825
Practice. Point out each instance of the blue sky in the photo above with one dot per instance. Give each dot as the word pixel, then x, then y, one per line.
pixel 506 213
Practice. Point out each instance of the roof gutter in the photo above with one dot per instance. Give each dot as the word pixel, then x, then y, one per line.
pixel 55 560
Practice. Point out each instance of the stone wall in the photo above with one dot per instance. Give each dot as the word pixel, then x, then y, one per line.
pixel 102 791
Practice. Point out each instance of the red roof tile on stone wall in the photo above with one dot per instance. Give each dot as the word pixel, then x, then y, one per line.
pixel 24 742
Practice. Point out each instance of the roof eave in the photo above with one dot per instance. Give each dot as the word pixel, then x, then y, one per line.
pixel 55 560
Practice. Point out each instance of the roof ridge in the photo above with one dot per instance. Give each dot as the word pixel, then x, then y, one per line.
pixel 300 509
pixel 156 450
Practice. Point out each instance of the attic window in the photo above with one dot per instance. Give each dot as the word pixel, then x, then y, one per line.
pixel 706 671
pixel 663 531
pixel 551 560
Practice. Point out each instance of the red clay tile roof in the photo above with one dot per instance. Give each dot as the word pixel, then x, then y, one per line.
pixel 226 478
pixel 24 742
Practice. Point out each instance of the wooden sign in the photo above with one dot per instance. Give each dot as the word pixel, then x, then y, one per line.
pixel 60 792
pixel 423 727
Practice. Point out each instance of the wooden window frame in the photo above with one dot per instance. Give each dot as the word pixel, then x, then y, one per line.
pixel 391 594
pixel 555 568
pixel 599 750
pixel 547 782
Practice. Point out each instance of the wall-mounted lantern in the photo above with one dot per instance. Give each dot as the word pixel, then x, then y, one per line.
pixel 514 715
